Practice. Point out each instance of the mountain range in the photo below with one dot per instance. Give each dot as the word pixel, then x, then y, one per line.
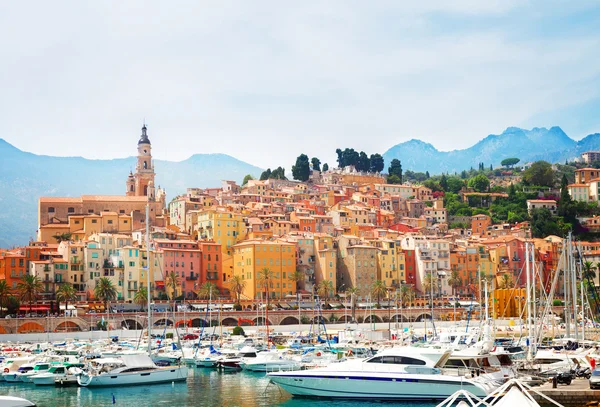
pixel 551 145
pixel 24 177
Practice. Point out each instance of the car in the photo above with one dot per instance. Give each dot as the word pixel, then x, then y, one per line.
pixel 189 336
pixel 595 379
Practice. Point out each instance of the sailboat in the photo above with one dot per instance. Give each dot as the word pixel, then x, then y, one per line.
pixel 133 369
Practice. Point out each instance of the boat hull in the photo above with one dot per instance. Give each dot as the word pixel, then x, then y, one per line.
pixel 166 375
pixel 383 387
pixel 43 380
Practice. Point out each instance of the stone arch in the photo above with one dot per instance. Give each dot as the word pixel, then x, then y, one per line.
pixel 373 318
pixel 30 327
pixel 199 323
pixel 163 321
pixel 318 319
pixel 345 318
pixel 68 326
pixel 230 321
pixel 260 321
pixel 289 321
pixel 423 317
pixel 401 318
pixel 131 324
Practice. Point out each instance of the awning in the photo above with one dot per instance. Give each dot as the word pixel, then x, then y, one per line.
pixel 335 305
pixel 35 308
pixel 62 307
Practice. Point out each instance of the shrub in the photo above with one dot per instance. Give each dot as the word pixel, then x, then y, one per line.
pixel 557 303
pixel 304 320
pixel 238 330
pixel 169 335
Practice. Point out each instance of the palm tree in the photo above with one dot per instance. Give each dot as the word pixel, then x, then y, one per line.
pixel 406 293
pixel 378 290
pixel 66 292
pixel 263 276
pixel 4 293
pixel 208 290
pixel 325 288
pixel 454 281
pixel 29 289
pixel 173 283
pixel 297 277
pixel 105 291
pixel 427 283
pixel 237 285
pixel 353 291
pixel 141 297
pixel 506 281
pixel 588 270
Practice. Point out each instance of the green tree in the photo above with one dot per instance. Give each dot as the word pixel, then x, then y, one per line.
pixel 208 290
pixel 141 297
pixel 173 283
pixel 377 163
pixel 509 162
pixel 266 174
pixel 316 164
pixel 543 224
pixel 278 173
pixel 246 179
pixel 65 293
pixel 540 173
pixel 394 179
pixel 378 290
pixel 301 171
pixel 407 293
pixel 479 183
pixel 237 285
pixel 4 294
pixel 325 289
pixel 395 168
pixel 105 291
pixel 62 237
pixel 588 271
pixel 364 163
pixel 444 183
pixel 455 184
pixel 29 288
pixel 325 167
pixel 454 281
pixel 296 277
pixel 340 158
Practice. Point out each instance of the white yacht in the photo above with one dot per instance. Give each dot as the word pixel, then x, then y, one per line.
pixel 55 372
pixel 129 370
pixel 402 373
pixel 270 361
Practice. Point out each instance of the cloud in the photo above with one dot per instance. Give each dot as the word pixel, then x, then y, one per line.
pixel 265 82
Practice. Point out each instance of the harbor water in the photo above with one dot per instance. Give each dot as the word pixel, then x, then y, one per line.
pixel 204 387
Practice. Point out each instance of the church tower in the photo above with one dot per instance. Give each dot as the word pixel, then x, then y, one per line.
pixel 142 182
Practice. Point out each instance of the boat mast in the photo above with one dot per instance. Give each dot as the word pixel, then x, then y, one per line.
pixel 529 314
pixel 148 277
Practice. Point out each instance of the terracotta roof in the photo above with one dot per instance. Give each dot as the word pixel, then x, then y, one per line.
pixel 52 199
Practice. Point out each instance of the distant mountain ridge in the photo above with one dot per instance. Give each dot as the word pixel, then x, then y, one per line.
pixel 552 145
pixel 24 177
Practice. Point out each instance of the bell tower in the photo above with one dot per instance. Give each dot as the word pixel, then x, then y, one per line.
pixel 144 169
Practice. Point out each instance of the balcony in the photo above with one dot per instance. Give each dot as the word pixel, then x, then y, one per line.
pixel 47 269
pixel 192 277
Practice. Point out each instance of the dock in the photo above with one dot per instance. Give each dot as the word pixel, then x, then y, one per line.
pixel 577 394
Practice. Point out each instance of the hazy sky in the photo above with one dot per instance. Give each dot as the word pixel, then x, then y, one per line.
pixel 267 80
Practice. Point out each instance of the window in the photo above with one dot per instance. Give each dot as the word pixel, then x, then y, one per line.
pixel 94 221
pixel 51 209
pixel 110 221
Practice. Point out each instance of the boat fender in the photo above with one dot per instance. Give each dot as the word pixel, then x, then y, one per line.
pixel 494 349
pixel 6 370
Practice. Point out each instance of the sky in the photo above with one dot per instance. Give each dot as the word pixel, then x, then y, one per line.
pixel 265 81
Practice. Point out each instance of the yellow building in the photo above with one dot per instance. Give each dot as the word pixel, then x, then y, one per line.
pixel 223 227
pixel 390 262
pixel 252 256
pixel 326 259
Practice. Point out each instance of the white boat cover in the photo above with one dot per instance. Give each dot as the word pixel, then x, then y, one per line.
pixel 140 360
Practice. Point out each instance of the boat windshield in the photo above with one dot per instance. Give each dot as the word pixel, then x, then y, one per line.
pixel 396 360
pixel 596 372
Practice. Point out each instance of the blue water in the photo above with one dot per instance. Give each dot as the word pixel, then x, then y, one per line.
pixel 210 388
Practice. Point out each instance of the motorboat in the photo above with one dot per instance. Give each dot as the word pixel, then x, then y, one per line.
pixel 39 368
pixel 57 371
pixel 9 401
pixel 129 370
pixel 270 361
pixel 11 366
pixel 234 363
pixel 402 373
pixel 14 376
